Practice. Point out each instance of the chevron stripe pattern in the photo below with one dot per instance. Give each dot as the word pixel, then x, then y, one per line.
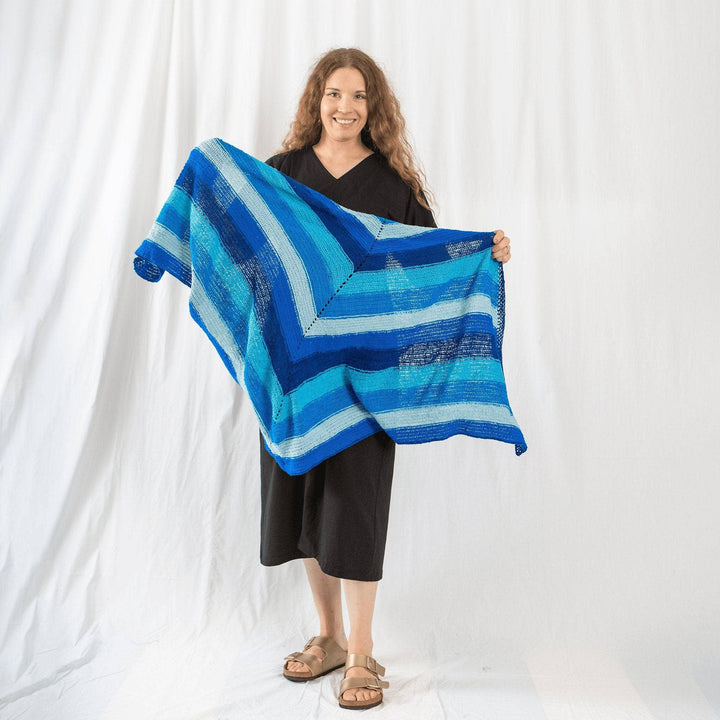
pixel 337 323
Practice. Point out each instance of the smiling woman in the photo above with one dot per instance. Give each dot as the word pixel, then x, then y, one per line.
pixel 348 83
pixel 348 142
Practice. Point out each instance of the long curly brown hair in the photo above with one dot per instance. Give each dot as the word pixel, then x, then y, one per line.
pixel 384 131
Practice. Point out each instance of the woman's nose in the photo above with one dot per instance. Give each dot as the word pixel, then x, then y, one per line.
pixel 343 103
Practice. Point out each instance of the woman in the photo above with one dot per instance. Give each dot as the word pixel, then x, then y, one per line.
pixel 348 142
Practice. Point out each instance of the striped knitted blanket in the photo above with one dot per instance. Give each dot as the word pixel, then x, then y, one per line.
pixel 337 323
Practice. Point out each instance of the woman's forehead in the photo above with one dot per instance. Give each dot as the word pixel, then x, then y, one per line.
pixel 346 77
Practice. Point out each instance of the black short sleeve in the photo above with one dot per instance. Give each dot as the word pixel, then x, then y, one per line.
pixel 416 214
pixel 372 186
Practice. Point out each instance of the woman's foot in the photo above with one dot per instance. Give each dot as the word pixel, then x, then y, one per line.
pixel 295 666
pixel 362 694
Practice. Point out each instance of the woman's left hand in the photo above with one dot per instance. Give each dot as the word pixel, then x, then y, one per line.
pixel 501 249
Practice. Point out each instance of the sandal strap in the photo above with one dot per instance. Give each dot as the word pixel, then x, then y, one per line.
pixel 369 683
pixel 312 661
pixel 365 661
pixel 324 642
pixel 334 655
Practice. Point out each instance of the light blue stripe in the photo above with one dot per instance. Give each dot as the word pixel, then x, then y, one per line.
pixel 392 231
pixel 167 239
pixel 298 445
pixel 215 325
pixel 398 320
pixel 273 230
pixel 372 223
pixel 433 414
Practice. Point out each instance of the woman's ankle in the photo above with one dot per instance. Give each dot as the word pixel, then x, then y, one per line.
pixel 337 635
pixel 363 645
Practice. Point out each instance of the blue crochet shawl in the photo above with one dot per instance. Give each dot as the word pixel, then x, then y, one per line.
pixel 337 323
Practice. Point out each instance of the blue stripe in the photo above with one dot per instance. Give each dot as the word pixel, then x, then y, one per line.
pixel 433 247
pixel 153 260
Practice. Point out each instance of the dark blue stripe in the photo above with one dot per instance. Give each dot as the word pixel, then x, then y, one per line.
pixel 412 355
pixel 245 244
pixel 473 428
pixel 427 249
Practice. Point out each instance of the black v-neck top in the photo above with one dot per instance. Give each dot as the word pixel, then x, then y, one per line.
pixel 306 515
pixel 370 186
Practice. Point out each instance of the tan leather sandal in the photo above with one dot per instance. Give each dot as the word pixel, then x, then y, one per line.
pixel 333 659
pixel 366 681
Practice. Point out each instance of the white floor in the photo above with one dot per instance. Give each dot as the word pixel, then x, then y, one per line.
pixel 206 677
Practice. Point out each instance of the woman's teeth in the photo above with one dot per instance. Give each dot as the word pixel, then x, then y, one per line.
pixel 344 122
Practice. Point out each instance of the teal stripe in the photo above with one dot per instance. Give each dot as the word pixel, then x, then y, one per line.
pixel 421 275
pixel 406 378
pixel 180 201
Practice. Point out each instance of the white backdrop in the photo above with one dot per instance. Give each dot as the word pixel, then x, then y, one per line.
pixel 580 580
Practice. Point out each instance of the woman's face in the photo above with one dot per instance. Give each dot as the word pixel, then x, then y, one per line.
pixel 343 108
